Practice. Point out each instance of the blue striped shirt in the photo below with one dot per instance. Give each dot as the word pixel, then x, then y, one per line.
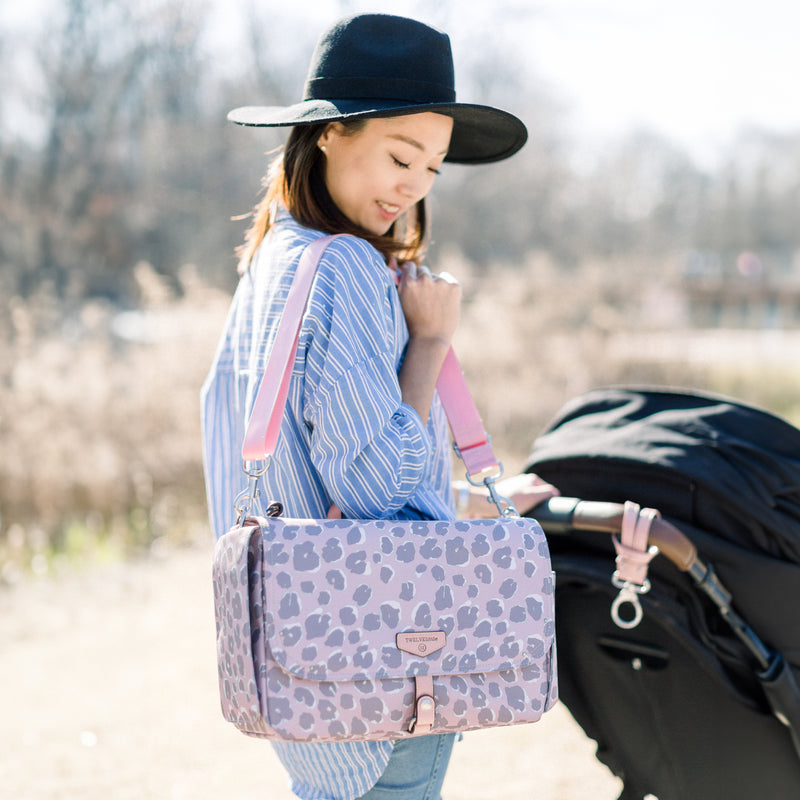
pixel 346 436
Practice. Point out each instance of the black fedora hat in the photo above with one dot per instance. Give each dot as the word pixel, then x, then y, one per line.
pixel 371 65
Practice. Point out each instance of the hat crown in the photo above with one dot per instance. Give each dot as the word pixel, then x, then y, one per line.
pixel 380 56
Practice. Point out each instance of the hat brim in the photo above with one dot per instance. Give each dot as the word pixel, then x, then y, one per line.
pixel 481 134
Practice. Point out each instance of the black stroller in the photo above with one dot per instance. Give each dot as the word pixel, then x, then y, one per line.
pixel 697 700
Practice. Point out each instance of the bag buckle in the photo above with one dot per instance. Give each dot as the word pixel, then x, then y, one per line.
pixel 424 706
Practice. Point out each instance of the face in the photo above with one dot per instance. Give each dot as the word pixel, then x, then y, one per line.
pixel 377 173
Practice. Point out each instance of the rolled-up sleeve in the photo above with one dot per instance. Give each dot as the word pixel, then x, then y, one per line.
pixel 371 450
pixel 372 454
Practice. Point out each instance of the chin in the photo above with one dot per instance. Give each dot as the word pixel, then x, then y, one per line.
pixel 378 230
pixel 377 227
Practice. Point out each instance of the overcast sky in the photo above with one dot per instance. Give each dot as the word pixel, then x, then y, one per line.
pixel 693 69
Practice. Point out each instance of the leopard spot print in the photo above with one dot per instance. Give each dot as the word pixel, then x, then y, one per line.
pixel 307 618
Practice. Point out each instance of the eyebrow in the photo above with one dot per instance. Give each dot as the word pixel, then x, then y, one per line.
pixel 413 142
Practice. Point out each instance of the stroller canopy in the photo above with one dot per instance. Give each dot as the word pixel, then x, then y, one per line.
pixel 714 463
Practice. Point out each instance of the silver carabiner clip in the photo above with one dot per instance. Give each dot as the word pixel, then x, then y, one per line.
pixel 504 504
pixel 628 595
pixel 247 500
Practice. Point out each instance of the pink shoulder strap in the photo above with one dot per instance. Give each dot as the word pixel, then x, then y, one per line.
pixel 261 435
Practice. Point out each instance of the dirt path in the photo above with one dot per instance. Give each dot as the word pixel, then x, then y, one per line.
pixel 108 691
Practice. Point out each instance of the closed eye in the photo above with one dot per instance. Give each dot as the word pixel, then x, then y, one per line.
pixel 404 165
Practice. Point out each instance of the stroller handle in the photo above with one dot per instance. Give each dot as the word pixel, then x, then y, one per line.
pixel 564 514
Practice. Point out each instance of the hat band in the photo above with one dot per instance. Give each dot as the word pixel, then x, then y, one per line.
pixel 417 92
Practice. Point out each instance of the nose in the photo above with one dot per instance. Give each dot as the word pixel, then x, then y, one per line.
pixel 409 189
pixel 416 186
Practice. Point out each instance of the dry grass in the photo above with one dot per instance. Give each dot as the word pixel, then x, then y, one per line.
pixel 100 433
pixel 99 413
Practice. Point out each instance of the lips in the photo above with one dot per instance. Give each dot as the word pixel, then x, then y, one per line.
pixel 389 209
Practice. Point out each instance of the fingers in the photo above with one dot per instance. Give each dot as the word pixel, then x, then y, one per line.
pixel 409 270
pixel 412 271
pixel 540 483
pixel 526 491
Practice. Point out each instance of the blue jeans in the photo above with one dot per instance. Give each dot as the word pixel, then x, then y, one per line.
pixel 416 769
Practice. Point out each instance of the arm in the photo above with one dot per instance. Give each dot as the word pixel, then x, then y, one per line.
pixel 371 448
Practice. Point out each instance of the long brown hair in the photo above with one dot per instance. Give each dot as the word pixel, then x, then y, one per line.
pixel 295 180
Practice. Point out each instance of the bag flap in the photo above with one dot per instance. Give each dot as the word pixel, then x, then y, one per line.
pixel 360 600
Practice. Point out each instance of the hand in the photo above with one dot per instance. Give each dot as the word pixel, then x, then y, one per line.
pixel 431 303
pixel 525 491
pixel 431 306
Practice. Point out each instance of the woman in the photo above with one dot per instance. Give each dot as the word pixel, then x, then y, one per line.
pixel 363 434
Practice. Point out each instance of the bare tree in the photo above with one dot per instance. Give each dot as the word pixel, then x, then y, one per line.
pixel 110 75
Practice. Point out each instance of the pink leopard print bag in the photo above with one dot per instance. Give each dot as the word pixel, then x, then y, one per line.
pixel 337 630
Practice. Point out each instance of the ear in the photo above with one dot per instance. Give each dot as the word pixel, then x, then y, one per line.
pixel 331 130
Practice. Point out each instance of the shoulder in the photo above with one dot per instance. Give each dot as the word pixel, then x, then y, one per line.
pixel 351 254
pixel 345 254
pixel 351 272
pixel 353 299
pixel 354 272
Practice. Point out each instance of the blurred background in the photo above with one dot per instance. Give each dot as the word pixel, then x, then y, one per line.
pixel 649 232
